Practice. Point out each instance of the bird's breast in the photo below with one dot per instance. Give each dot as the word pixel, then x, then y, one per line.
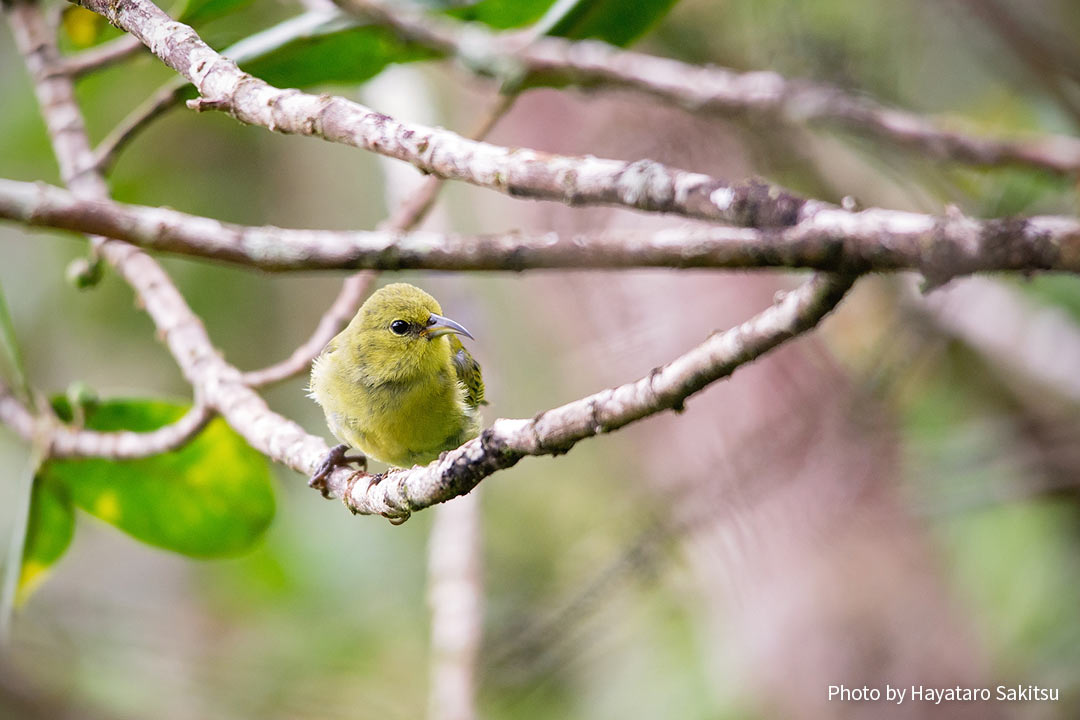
pixel 401 423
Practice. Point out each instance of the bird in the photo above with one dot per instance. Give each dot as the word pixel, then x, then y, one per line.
pixel 397 383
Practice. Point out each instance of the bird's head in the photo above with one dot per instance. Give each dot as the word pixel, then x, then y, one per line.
pixel 400 333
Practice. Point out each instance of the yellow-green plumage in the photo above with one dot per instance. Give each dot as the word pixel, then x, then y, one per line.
pixel 399 397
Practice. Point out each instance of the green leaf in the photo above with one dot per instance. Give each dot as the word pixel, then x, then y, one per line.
pixel 614 21
pixel 333 49
pixel 196 12
pixel 504 14
pixel 49 529
pixel 349 55
pixel 210 498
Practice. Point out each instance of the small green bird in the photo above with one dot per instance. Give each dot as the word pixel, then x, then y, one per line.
pixel 397 383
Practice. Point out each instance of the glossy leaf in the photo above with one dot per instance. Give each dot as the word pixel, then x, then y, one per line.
pixel 350 55
pixel 49 529
pixel 614 21
pixel 355 54
pixel 212 497
pixel 504 14
pixel 196 12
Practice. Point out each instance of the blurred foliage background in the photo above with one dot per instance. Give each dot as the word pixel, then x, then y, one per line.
pixel 889 481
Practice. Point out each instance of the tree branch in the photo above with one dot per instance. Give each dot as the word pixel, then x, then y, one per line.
pixel 66 442
pixel 831 239
pixel 644 185
pixel 709 89
pixel 165 98
pixel 556 431
pixel 353 291
pixel 101 56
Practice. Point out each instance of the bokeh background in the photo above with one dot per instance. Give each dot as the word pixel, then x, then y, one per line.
pixel 890 500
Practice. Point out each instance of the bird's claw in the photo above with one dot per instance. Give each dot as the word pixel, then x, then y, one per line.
pixel 335 458
pixel 395 519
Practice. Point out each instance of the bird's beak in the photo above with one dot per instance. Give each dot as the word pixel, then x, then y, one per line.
pixel 438 326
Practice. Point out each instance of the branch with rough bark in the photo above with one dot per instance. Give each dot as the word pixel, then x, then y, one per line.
pixel 830 239
pixel 521 172
pixel 708 89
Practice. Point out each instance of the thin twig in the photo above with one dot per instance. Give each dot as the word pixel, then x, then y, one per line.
pixel 65 442
pixel 123 445
pixel 102 56
pixel 167 97
pixel 352 294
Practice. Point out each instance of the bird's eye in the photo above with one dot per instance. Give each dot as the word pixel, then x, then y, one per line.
pixel 399 327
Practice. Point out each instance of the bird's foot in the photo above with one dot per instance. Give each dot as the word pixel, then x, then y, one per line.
pixel 334 459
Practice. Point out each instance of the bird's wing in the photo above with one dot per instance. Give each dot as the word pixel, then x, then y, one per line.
pixel 468 373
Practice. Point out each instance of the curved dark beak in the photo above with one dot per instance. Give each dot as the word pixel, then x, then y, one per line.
pixel 438 326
